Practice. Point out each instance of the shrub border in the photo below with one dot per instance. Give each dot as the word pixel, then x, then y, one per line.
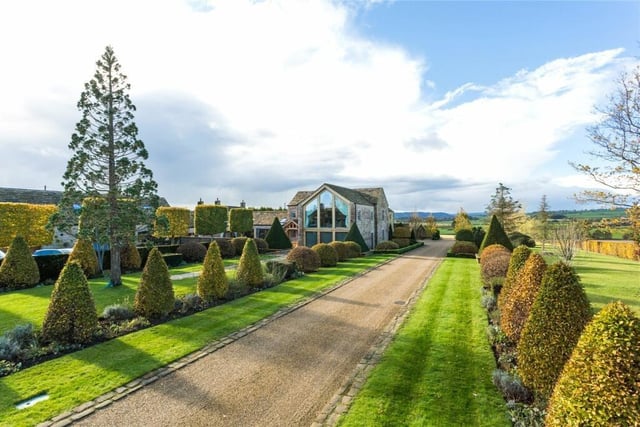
pixel 400 251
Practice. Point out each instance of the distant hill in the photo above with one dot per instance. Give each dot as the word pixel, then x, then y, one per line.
pixel 589 214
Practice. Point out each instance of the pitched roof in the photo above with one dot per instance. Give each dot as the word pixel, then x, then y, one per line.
pixel 360 196
pixel 41 197
pixel 35 197
pixel 299 197
pixel 266 217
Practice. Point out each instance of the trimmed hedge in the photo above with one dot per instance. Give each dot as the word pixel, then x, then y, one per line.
pixel 27 220
pixel 240 220
pixel 306 259
pixel 71 316
pixel 210 219
pixel 238 244
pixel 276 236
pixel 249 271
pixel 557 318
pixel 50 266
pixel 177 222
pixel 353 249
pixel 627 250
pixel 341 250
pixel 227 250
pixel 172 260
pixel 192 252
pixel 85 255
pixel 600 383
pixel 212 282
pixel 261 244
pixel 464 247
pixel 465 235
pixel 517 306
pixel 387 245
pixel 495 235
pixel 494 265
pixel 328 255
pixel 155 297
pixel 18 270
pixel 517 261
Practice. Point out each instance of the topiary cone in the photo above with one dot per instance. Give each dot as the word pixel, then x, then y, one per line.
pixel 19 269
pixel 71 316
pixel 84 254
pixel 154 297
pixel 600 384
pixel 557 318
pixel 249 270
pixel 212 282
pixel 518 259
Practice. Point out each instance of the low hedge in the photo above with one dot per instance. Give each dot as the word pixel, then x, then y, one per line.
pixel 399 250
pixel 173 260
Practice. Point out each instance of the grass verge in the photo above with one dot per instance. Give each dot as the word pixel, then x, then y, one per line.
pixel 437 371
pixel 87 374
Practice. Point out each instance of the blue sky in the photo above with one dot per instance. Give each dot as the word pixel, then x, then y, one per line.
pixel 437 102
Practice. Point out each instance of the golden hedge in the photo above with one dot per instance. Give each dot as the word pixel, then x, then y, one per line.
pixel 624 249
pixel 27 220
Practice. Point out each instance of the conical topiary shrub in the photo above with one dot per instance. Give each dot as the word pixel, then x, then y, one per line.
pixel 521 297
pixel 85 255
pixel 130 258
pixel 276 237
pixel 71 316
pixel 249 271
pixel 154 297
pixel 600 383
pixel 328 255
pixel 495 235
pixel 557 318
pixel 212 282
pixel 354 236
pixel 19 269
pixel 518 258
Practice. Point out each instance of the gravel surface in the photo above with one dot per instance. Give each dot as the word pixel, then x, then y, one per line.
pixel 284 373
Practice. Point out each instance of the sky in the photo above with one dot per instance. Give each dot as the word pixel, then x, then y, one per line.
pixel 436 102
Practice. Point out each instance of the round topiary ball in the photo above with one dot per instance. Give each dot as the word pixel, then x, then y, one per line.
pixel 227 250
pixel 341 250
pixel 328 255
pixel 353 249
pixel 306 259
pixel 387 245
pixel 238 243
pixel 192 252
pixel 465 235
pixel 599 385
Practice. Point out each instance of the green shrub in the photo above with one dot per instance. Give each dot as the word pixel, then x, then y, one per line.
pixel 238 244
pixel 402 243
pixel 276 237
pixel 353 249
pixel 249 271
pixel 85 255
pixel 491 250
pixel 387 245
pixel 493 268
pixel 282 268
pixel 154 297
pixel 436 235
pixel 517 306
pixel 464 247
pixel 24 335
pixel 172 260
pixel 71 316
pixel 465 235
pixel 210 219
pixel 518 258
pixel 240 220
pixel 130 259
pixel 212 282
pixel 341 250
pixel 192 252
pixel 18 269
pixel 478 235
pixel 116 312
pixel 510 386
pixel 495 235
pixel 262 245
pixel 599 385
pixel 354 236
pixel 9 349
pixel 50 266
pixel 518 239
pixel 558 316
pixel 328 255
pixel 227 250
pixel 306 260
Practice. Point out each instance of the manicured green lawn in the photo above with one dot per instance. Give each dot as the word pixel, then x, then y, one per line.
pixel 607 278
pixel 437 371
pixel 30 305
pixel 87 374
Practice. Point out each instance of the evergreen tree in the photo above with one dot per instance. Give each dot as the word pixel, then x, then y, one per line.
pixel 543 220
pixel 71 316
pixel 212 282
pixel 154 297
pixel 107 160
pixel 508 211
pixel 354 236
pixel 84 254
pixel 461 221
pixel 276 237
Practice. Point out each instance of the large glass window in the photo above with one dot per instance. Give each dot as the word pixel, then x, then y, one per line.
pixel 342 212
pixel 311 238
pixel 311 214
pixel 326 237
pixel 326 210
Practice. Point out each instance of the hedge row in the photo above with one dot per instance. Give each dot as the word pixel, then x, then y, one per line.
pixel 627 250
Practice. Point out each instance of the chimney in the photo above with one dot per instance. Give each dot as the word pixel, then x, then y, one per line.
pixel 243 204
pixel 200 202
pixel 217 202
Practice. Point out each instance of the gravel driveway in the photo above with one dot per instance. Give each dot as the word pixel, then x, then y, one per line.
pixel 284 373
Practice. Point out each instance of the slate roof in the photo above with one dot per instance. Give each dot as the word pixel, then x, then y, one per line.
pixel 360 196
pixel 266 217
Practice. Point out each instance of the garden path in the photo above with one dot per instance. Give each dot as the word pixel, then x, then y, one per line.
pixel 286 372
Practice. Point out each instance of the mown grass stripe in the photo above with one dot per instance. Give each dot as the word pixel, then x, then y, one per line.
pixel 437 371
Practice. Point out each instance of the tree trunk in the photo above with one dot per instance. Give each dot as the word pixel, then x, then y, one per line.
pixel 116 271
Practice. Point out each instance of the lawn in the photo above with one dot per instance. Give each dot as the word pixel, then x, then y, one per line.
pixel 437 371
pixel 607 278
pixel 84 375
pixel 30 305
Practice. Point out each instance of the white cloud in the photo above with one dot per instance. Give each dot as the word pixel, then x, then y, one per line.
pixel 286 94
